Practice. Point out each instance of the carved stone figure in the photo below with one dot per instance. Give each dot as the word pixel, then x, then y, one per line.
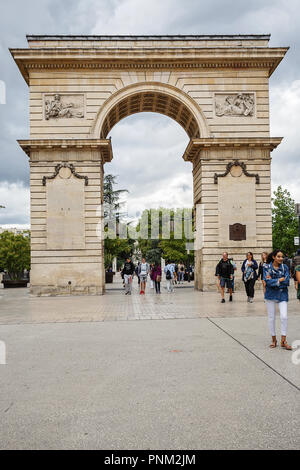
pixel 57 109
pixel 241 104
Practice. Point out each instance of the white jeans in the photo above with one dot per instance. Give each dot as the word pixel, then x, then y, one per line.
pixel 170 285
pixel 271 307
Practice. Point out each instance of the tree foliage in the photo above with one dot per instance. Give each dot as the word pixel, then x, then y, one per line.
pixel 114 247
pixel 170 248
pixel 284 221
pixel 14 254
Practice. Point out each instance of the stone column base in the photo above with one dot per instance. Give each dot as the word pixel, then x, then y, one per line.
pixel 67 279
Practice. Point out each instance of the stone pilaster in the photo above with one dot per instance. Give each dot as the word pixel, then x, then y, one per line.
pixel 232 200
pixel 66 184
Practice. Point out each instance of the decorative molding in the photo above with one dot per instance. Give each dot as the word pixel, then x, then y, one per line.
pixel 232 164
pixel 148 65
pixel 35 145
pixel 266 144
pixel 65 165
pixel 234 104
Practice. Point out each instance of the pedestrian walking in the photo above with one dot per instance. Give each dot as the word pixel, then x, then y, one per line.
pixel 169 271
pixel 151 276
pixel 287 261
pixel 157 277
pixel 137 272
pixel 127 273
pixel 295 272
pixel 277 279
pixel 297 281
pixel 143 273
pixel 295 263
pixel 234 269
pixel 175 273
pixel 224 272
pixel 249 270
pixel 180 273
pixel 263 264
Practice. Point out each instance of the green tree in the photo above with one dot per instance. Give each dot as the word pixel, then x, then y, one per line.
pixel 114 247
pixel 111 196
pixel 14 254
pixel 284 221
pixel 172 248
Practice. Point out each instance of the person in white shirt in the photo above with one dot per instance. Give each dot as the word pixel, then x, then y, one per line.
pixel 169 271
pixel 143 273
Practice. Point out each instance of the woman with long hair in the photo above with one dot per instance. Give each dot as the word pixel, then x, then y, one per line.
pixel 277 279
pixel 157 277
pixel 249 268
pixel 263 264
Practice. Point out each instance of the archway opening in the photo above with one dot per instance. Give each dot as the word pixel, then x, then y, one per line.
pixel 147 160
pixel 155 102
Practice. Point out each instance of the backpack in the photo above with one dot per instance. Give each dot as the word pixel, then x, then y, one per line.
pixel 168 275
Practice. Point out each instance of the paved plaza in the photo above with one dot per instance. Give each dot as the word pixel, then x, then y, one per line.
pixel 87 372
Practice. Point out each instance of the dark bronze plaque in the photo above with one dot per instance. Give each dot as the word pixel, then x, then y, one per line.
pixel 237 232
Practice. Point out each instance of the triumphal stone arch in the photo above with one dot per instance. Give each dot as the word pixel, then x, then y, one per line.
pixel 215 87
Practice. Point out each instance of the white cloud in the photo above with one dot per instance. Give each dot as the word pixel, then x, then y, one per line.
pixel 285 111
pixel 16 199
pixel 148 151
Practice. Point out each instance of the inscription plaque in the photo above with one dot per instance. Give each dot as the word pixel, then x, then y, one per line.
pixel 65 213
pixel 237 232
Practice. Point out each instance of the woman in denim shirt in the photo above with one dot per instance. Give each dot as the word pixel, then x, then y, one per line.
pixel 277 279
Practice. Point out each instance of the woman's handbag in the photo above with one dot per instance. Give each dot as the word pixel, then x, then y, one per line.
pixel 158 278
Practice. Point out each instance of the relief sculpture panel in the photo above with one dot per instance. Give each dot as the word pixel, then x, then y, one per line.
pixel 235 104
pixel 64 106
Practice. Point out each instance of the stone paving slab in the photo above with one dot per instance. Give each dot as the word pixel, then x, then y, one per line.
pixel 180 384
pixel 18 306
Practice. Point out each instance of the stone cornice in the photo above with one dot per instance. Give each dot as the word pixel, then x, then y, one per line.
pixel 103 145
pixel 196 145
pixel 137 58
pixel 172 37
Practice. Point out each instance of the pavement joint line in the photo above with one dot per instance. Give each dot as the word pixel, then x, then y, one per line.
pixel 255 355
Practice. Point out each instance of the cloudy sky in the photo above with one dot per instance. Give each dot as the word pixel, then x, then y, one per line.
pixel 147 147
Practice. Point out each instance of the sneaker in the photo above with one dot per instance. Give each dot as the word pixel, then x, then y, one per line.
pixel 251 300
pixel 141 292
pixel 230 298
pixel 248 299
pixel 223 301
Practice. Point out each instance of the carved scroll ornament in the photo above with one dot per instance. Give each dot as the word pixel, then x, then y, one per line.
pixel 71 168
pixel 233 164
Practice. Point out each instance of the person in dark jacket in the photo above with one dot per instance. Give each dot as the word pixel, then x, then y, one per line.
pixel 263 264
pixel 295 262
pixel 225 271
pixel 127 272
pixel 249 270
